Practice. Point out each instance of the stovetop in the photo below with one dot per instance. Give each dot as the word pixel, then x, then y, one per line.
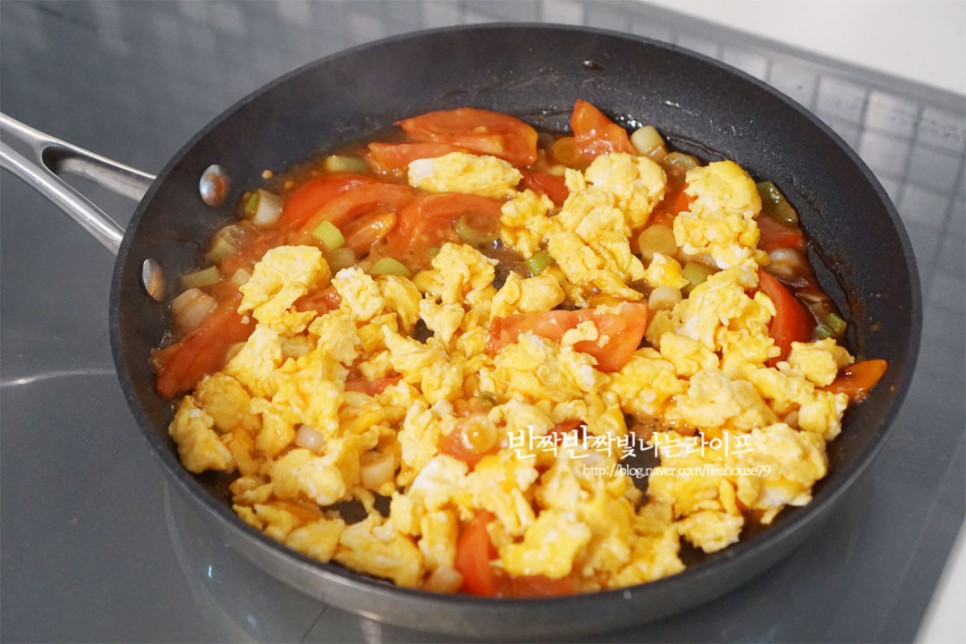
pixel 95 544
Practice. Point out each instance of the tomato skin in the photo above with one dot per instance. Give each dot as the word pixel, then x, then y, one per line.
pixel 546 184
pixel 775 235
pixel 428 221
pixel 596 134
pixel 480 131
pixel 624 329
pixel 389 157
pixel 180 366
pixel 310 197
pixel 365 199
pixel 474 551
pixel 857 380
pixel 792 322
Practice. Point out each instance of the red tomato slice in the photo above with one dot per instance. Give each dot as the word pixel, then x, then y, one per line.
pixel 479 131
pixel 474 551
pixel 374 197
pixel 596 134
pixel 792 322
pixel 546 184
pixel 309 198
pixel 427 222
pixel 361 233
pixel 775 234
pixel 624 331
pixel 386 157
pixel 858 380
pixel 180 366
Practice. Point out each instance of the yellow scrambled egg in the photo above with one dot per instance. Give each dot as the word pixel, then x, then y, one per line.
pixel 738 439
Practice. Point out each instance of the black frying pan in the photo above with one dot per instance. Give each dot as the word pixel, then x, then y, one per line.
pixel 535 72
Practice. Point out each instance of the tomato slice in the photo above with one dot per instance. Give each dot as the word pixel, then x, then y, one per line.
pixel 624 331
pixel 480 131
pixel 857 380
pixel 180 366
pixel 309 198
pixel 596 134
pixel 546 184
pixel 365 199
pixel 775 234
pixel 427 222
pixel 474 551
pixel 387 157
pixel 792 322
pixel 361 233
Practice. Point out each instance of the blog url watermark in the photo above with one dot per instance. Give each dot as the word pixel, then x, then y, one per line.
pixel 621 469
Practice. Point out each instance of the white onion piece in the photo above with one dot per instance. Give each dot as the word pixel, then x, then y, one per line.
pixel 376 468
pixel 240 277
pixel 269 209
pixel 663 297
pixel 647 139
pixel 309 438
pixel 785 261
pixel 191 308
pixel 444 580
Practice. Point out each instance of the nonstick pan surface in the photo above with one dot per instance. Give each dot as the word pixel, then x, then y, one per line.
pixel 536 73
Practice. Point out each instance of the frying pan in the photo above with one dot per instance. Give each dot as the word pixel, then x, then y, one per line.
pixel 861 251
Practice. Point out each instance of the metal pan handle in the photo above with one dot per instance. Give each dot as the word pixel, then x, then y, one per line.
pixel 38 159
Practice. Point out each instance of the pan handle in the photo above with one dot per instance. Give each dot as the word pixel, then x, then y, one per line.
pixel 38 159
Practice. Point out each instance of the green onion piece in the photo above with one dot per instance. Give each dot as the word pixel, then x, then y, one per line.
pixel 836 323
pixel 433 251
pixel 695 273
pixel 201 278
pixel 251 205
pixel 345 163
pixel 340 258
pixel 656 239
pixel 477 230
pixel 823 331
pixel 225 244
pixel 328 234
pixel 390 266
pixel 539 262
pixel 774 203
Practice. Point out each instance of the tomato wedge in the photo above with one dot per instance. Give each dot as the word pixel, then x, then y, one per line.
pixel 427 222
pixel 857 380
pixel 775 234
pixel 792 322
pixel 480 131
pixel 180 366
pixel 387 157
pixel 546 184
pixel 596 134
pixel 474 551
pixel 365 199
pixel 623 329
pixel 673 204
pixel 309 198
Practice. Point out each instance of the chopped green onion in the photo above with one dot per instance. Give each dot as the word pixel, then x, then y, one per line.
pixel 773 202
pixel 656 239
pixel 345 163
pixel 539 262
pixel 327 233
pixel 433 251
pixel 340 258
pixel 201 278
pixel 663 297
pixel 836 323
pixel 191 308
pixel 823 331
pixel 225 244
pixel 263 207
pixel 477 230
pixel 695 273
pixel 389 266
pixel 647 139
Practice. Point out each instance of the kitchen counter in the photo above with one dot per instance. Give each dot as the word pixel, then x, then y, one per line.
pixel 97 546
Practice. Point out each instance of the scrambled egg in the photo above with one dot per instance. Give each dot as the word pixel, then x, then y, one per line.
pixel 737 438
